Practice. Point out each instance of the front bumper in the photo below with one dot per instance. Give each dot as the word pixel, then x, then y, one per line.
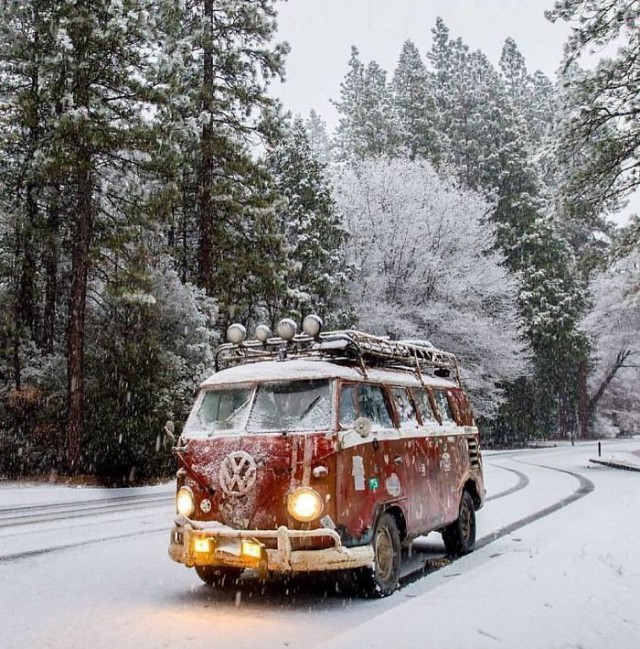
pixel 213 544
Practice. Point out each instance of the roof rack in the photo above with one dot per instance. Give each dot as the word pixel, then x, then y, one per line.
pixel 343 346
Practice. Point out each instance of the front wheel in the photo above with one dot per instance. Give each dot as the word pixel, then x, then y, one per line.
pixel 219 577
pixel 460 536
pixel 383 577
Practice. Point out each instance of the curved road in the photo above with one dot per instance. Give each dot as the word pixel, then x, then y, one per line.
pixel 97 573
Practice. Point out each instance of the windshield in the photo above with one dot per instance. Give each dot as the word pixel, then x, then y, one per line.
pixel 284 406
pixel 220 410
pixel 291 406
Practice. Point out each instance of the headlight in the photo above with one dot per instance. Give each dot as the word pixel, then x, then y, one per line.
pixel 185 502
pixel 304 505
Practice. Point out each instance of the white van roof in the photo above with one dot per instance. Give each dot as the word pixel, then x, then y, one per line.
pixel 299 369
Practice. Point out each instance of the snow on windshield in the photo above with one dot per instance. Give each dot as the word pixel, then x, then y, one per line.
pixel 279 406
pixel 291 406
pixel 221 410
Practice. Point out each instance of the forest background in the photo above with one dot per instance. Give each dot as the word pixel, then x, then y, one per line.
pixel 152 192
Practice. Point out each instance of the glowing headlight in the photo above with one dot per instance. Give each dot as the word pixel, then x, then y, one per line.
pixel 304 505
pixel 185 502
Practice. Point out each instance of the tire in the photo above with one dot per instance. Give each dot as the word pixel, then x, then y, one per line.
pixel 219 577
pixel 460 536
pixel 383 577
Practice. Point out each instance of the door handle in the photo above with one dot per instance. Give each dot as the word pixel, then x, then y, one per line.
pixel 398 459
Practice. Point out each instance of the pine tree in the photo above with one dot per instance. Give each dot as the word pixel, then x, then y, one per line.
pixel 216 62
pixel 604 128
pixel 318 137
pixel 85 116
pixel 415 105
pixel 491 144
pixel 314 274
pixel 368 124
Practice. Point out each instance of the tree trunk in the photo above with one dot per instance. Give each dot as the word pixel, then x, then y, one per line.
pixel 51 275
pixel 26 291
pixel 621 357
pixel 77 309
pixel 583 401
pixel 205 249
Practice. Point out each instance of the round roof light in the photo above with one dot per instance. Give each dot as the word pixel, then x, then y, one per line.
pixel 236 334
pixel 263 333
pixel 312 325
pixel 287 328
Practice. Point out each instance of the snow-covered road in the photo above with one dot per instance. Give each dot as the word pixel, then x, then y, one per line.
pixel 557 566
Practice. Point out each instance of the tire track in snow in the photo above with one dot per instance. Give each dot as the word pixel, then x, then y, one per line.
pixel 33 514
pixel 523 481
pixel 585 487
pixel 16 556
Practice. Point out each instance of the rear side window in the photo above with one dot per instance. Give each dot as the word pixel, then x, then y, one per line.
pixel 423 403
pixel 443 406
pixel 364 401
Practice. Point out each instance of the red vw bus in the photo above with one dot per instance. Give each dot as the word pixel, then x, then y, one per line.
pixel 320 451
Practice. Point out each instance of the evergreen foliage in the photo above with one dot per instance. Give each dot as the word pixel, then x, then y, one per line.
pixel 128 178
pixel 368 124
pixel 314 275
pixel 603 109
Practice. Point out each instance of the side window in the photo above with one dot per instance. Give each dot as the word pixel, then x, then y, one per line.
pixel 364 401
pixel 348 408
pixel 404 407
pixel 443 406
pixel 421 397
pixel 373 405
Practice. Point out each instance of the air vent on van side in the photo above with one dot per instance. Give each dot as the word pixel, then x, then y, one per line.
pixel 474 454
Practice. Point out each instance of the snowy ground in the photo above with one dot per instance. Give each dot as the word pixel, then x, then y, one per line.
pixel 557 566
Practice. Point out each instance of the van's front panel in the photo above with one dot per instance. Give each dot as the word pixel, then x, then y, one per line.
pixel 250 456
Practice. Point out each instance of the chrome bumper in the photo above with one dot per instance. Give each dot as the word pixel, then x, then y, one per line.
pixel 224 548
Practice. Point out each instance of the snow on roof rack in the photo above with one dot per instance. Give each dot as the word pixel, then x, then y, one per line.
pixel 343 346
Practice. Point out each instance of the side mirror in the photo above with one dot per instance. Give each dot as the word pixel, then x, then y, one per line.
pixel 362 426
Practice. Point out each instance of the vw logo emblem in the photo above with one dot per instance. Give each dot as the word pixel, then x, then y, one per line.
pixel 237 473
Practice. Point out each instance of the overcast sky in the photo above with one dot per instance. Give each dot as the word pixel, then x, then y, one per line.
pixel 321 33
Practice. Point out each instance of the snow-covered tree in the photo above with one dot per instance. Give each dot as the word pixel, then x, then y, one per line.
pixel 314 274
pixel 426 267
pixel 368 123
pixel 152 345
pixel 604 125
pixel 215 63
pixel 85 116
pixel 318 137
pixel 613 325
pixel 414 102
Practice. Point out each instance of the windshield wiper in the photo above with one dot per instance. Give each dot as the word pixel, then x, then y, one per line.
pixel 230 416
pixel 310 407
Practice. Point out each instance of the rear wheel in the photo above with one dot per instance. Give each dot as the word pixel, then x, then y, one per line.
pixel 220 577
pixel 460 536
pixel 383 577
